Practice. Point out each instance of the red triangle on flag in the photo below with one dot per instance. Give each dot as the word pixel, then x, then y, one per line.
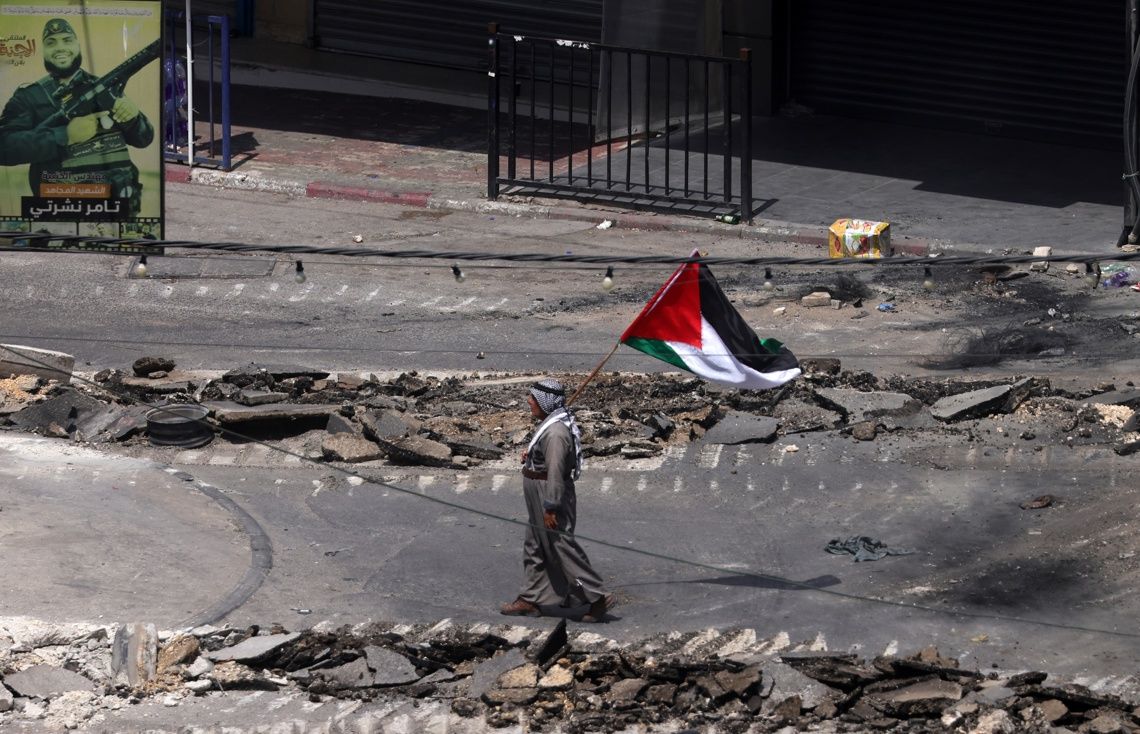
pixel 674 312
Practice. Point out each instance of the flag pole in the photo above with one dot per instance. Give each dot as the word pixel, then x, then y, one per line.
pixel 593 374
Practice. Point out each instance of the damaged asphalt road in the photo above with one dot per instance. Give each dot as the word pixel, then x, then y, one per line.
pixel 935 425
pixel 755 486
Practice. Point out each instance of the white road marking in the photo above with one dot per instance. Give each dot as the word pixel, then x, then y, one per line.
pixel 202 290
pixel 498 481
pixel 607 485
pixel 425 481
pixel 305 291
pixel 709 456
pixel 494 306
pixel 461 483
pixel 642 483
pixel 678 484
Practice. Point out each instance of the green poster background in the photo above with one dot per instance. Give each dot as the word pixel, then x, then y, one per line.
pixel 108 33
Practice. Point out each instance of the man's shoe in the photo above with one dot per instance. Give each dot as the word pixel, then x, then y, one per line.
pixel 597 610
pixel 520 608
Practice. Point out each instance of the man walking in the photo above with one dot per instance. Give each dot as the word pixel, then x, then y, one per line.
pixel 556 568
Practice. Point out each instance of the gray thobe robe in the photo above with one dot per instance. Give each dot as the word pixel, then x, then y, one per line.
pixel 555 566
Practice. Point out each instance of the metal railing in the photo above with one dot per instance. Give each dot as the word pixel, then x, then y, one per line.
pixel 217 144
pixel 553 128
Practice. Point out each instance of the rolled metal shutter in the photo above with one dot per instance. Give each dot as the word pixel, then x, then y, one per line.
pixel 449 33
pixel 1011 67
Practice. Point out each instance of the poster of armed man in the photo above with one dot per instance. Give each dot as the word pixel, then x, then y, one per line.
pixel 80 131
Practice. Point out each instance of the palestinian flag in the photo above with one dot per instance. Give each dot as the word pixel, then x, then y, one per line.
pixel 690 324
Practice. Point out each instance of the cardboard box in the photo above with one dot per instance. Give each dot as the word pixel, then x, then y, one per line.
pixel 859 238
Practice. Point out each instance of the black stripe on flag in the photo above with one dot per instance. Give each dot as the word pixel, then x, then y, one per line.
pixel 736 334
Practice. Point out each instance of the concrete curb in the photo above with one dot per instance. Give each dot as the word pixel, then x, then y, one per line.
pixel 762 230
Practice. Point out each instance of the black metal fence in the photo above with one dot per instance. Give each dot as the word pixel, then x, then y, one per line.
pixel 630 127
pixel 214 50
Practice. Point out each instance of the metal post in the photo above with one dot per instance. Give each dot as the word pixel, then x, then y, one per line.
pixel 688 83
pixel 513 92
pixel 746 153
pixel 570 122
pixel 210 20
pixel 668 107
pixel 705 152
pixel 189 95
pixel 648 123
pixel 590 120
pixel 493 112
pixel 628 119
pixel 550 122
pixel 726 68
pixel 227 150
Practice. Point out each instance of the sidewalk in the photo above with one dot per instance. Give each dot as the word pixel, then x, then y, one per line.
pixel 401 143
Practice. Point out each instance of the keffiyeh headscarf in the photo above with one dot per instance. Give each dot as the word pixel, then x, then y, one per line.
pixel 550 395
pixel 551 398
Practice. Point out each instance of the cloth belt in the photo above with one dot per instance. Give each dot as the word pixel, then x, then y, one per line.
pixel 532 474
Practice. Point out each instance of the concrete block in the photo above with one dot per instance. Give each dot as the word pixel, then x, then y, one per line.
pixel 20 360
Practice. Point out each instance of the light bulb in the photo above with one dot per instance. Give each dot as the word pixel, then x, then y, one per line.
pixel 608 281
pixel 459 276
pixel 768 284
pixel 300 276
pixel 140 267
pixel 927 279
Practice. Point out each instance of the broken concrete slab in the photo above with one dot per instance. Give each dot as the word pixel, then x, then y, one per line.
pixel 389 668
pixel 796 416
pixel 251 397
pixel 6 698
pixel 227 412
pixel 65 410
pixel 230 675
pixel 387 423
pixel 341 424
pixel 134 653
pixel 471 447
pixel 737 428
pixel 816 299
pixel 786 681
pixel 857 406
pixel 162 387
pixel 973 404
pixel 178 651
pixel 350 448
pixel 485 674
pixel 253 649
pixel 354 674
pixel 46 682
pixel 524 676
pixel 16 359
pixel 127 421
pixel 924 698
pixel 417 451
pixel 627 689
pixel 1128 397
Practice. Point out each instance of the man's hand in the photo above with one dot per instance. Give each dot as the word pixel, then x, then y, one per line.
pixel 124 110
pixel 550 519
pixel 82 128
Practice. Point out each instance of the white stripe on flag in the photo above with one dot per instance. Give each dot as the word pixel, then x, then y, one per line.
pixel 715 363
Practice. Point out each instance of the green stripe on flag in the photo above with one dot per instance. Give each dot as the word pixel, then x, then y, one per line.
pixel 659 349
pixel 772 345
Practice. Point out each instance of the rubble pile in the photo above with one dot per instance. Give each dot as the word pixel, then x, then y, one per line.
pixel 462 421
pixel 542 680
